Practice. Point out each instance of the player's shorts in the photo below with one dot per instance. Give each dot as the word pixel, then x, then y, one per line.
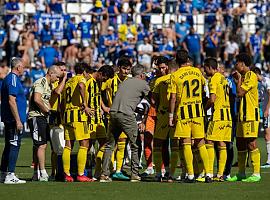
pixel 162 129
pixel 249 129
pixel 40 130
pixel 76 131
pixel 97 131
pixel 150 124
pixel 54 118
pixel 219 131
pixel 190 128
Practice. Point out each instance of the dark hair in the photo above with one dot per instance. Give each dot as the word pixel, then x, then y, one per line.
pixel 211 62
pixel 256 70
pixel 182 56
pixel 60 64
pixel 107 70
pixel 245 58
pixel 80 67
pixel 124 62
pixel 162 59
pixel 172 64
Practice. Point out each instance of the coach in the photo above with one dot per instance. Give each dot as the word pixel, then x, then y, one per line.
pixel 122 119
pixel 13 113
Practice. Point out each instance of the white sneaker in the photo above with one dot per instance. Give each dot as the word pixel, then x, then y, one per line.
pixel 44 178
pixel 3 177
pixel 11 178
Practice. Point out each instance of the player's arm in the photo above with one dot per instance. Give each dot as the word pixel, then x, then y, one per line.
pixel 210 102
pixel 14 111
pixel 58 90
pixel 39 103
pixel 82 93
pixel 104 107
pixel 172 108
pixel 239 89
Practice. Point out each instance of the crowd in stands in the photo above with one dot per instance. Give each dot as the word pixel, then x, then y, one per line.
pixel 102 39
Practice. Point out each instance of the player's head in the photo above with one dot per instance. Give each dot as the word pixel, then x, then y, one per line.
pixel 138 71
pixel 88 71
pixel 210 66
pixel 17 64
pixel 124 66
pixel 258 72
pixel 162 65
pixel 104 73
pixel 79 68
pixel 182 57
pixel 62 67
pixel 173 66
pixel 54 73
pixel 243 62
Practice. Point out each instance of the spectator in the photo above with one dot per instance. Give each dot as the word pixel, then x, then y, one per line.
pixel 158 38
pixel 125 29
pixel 238 13
pixel 186 8
pixel 210 9
pixel 14 35
pixel 181 30
pixel 260 10
pixel 48 55
pixel 70 31
pixel 128 47
pixel 12 9
pixel 256 44
pixel 211 43
pixel 113 13
pixel 3 40
pixel 231 50
pixel 13 114
pixel 198 5
pixel 98 10
pixel 37 72
pixel 226 8
pixel 85 28
pixel 145 52
pixel 192 43
pixel 40 5
pixel 171 6
pixel 56 6
pixel 145 11
pixel 266 48
pixel 71 54
pixel 57 47
pixel 156 6
pixel 142 33
pixel 110 43
pixel 166 48
pixel 46 33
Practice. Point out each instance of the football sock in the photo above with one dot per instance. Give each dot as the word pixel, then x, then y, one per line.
pixel 99 159
pixel 66 160
pixel 197 162
pixel 242 159
pixel 188 158
pixel 205 158
pixel 222 160
pixel 53 162
pixel 211 157
pixel 148 151
pixel 120 155
pixel 255 161
pixel 158 159
pixel 43 173
pixel 174 160
pixel 81 159
pixel 268 151
pixel 182 159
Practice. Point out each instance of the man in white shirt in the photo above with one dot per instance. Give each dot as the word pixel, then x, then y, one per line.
pixel 145 52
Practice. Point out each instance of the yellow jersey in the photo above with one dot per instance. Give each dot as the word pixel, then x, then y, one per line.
pixel 249 104
pixel 93 97
pixel 54 106
pixel 218 85
pixel 161 88
pixel 73 101
pixel 111 87
pixel 188 83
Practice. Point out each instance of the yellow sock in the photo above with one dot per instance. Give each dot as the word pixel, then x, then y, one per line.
pixel 81 160
pixel 174 160
pixel 188 158
pixel 182 159
pixel 242 160
pixel 255 157
pixel 158 159
pixel 205 159
pixel 197 162
pixel 211 157
pixel 99 160
pixel 222 160
pixel 120 155
pixel 66 160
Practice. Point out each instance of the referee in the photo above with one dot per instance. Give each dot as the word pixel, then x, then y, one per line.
pixel 122 119
pixel 13 113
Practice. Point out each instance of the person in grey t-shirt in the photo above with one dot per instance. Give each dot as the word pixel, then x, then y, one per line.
pixel 122 119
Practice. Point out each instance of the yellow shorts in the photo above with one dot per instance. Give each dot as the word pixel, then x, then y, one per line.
pixel 219 131
pixel 97 131
pixel 76 131
pixel 247 129
pixel 190 128
pixel 162 129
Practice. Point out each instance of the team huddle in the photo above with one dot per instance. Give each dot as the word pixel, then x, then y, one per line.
pixel 99 108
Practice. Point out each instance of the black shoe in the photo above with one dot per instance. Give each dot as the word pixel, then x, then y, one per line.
pixel 208 179
pixel 187 180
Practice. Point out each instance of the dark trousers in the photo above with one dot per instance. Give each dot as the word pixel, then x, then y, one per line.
pixel 12 147
pixel 120 122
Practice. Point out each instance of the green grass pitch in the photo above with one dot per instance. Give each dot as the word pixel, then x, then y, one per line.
pixel 126 190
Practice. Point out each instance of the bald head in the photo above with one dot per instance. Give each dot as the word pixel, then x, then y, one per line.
pixel 54 73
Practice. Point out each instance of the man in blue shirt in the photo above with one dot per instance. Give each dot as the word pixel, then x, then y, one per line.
pixel 12 8
pixel 37 72
pixel 85 28
pixel 166 49
pixel 3 40
pixel 13 113
pixel 192 43
pixel 71 31
pixel 46 34
pixel 256 43
pixel 210 9
pixel 181 29
pixel 48 55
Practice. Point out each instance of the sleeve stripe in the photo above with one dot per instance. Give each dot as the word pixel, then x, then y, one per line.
pixel 14 80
